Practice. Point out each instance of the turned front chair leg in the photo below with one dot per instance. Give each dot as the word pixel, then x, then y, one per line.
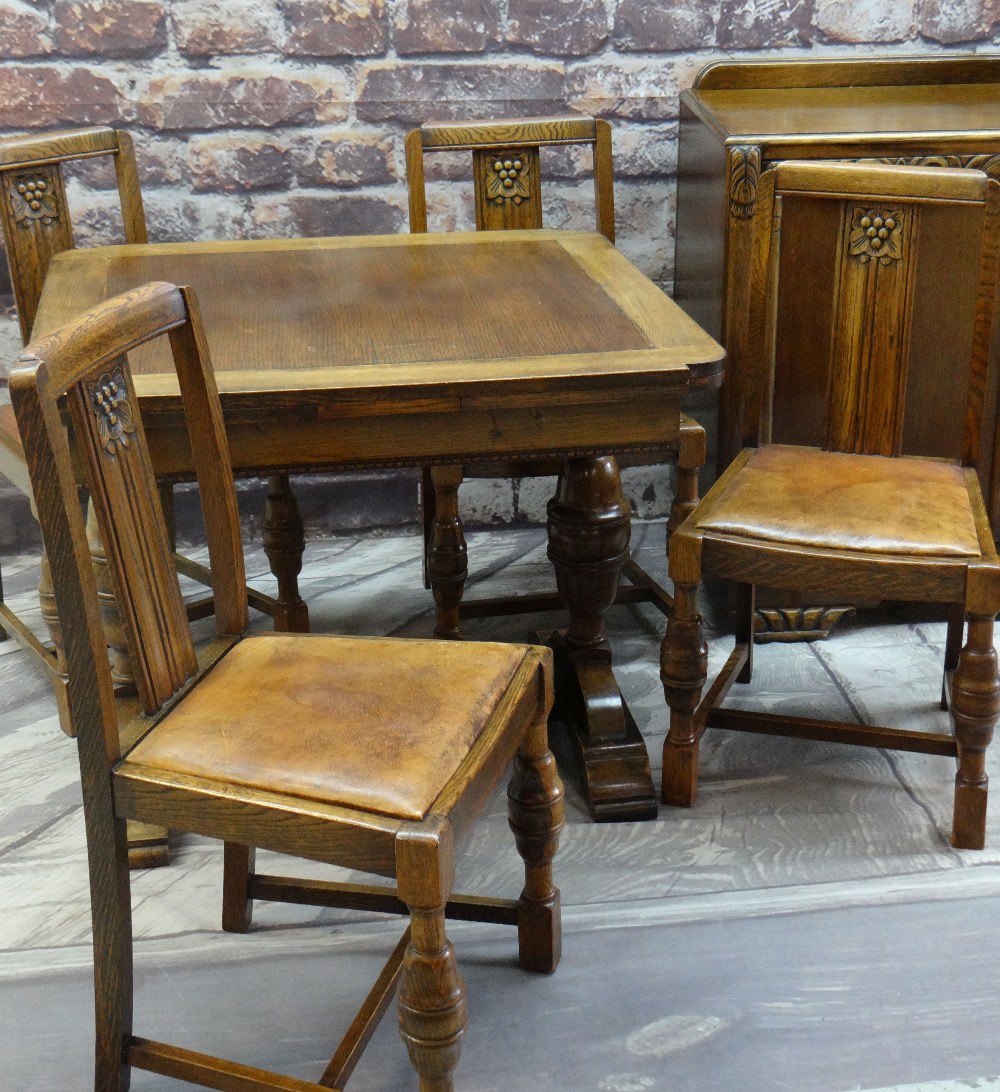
pixel 447 557
pixel 284 544
pixel 432 1016
pixel 536 809
pixel 683 670
pixel 975 705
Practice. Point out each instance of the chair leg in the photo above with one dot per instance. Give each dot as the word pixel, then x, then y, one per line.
pixel 535 807
pixel 237 871
pixel 952 646
pixel 975 706
pixel 691 453
pixel 683 670
pixel 432 1015
pixel 746 605
pixel 112 917
pixel 431 993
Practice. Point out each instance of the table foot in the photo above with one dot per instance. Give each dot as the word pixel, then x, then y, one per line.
pixel 612 761
pixel 148 845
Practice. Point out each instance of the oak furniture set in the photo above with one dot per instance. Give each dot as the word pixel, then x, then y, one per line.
pixel 858 458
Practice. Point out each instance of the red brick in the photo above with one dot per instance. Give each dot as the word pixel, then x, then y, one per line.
pixel 344 158
pixel 654 26
pixel 634 89
pixel 38 96
pixel 445 26
pixel 249 97
pixel 161 161
pixel 415 93
pixel 567 27
pixel 642 151
pixel 174 217
pixel 338 28
pixel 317 215
pixel 22 30
pixel 109 28
pixel 204 30
pixel 953 21
pixel 232 164
pixel 860 21
pixel 744 24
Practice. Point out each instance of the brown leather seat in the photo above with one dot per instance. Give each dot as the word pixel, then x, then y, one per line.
pixel 368 754
pixel 416 731
pixel 847 345
pixel 828 500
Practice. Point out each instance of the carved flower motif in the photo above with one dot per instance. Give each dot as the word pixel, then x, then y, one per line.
pixel 33 199
pixel 113 411
pixel 876 236
pixel 508 180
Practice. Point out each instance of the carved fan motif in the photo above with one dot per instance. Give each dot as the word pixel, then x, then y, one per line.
pixel 33 198
pixel 508 179
pixel 744 169
pixel 876 236
pixel 113 411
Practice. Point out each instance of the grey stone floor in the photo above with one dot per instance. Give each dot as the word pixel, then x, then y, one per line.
pixel 805 927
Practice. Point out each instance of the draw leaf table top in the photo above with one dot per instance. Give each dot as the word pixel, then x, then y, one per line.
pixel 412 350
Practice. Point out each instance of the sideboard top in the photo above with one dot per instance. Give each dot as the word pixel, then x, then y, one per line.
pixel 901 97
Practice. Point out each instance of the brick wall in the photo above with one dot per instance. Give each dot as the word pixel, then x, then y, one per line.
pixel 286 117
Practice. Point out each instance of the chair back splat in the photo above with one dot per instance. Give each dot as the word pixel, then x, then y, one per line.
pixel 36 224
pixel 851 346
pixel 34 212
pixel 506 167
pixel 371 754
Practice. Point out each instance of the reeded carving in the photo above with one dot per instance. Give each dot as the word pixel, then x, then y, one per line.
pixel 113 411
pixel 33 198
pixel 876 236
pixel 507 179
pixel 744 170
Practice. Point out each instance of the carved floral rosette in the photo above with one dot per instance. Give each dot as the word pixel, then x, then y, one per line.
pixel 507 178
pixel 32 197
pixel 876 236
pixel 113 411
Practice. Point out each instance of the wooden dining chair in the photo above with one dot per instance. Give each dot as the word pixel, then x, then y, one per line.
pixel 37 225
pixel 373 754
pixel 507 188
pixel 861 369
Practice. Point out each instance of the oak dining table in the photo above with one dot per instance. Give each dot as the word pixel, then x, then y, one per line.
pixel 435 350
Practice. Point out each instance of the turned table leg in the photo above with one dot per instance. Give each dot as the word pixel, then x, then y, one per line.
pixel 284 544
pixel 589 528
pixel 447 556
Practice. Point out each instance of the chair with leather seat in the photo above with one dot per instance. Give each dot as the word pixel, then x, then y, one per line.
pixel 868 401
pixel 507 184
pixel 36 221
pixel 372 754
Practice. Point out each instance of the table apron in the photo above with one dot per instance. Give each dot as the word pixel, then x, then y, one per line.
pixel 415 439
